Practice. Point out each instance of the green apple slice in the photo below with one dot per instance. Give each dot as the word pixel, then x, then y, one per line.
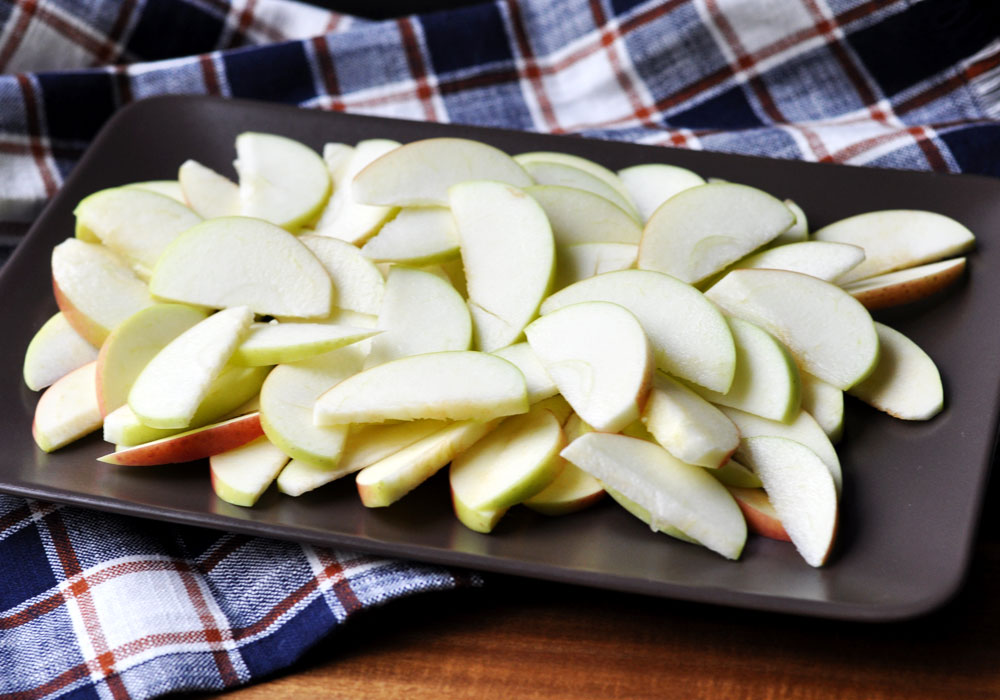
pixel 766 382
pixel 667 309
pixel 286 405
pixel 578 216
pixel 191 445
pixel 825 403
pixel 674 494
pixel 585 260
pixel 762 519
pixel 687 426
pixel 280 343
pixel 168 188
pixel 823 260
pixel 240 476
pixel 588 166
pixel 55 351
pixel 509 258
pixel 652 184
pixel 345 218
pixel 420 313
pixel 536 378
pixel 799 231
pixel 172 385
pixel 897 239
pixel 905 286
pixel 358 284
pixel 208 193
pixel 455 385
pixel 67 411
pixel 830 334
pixel 135 223
pixel 573 489
pixel 389 479
pixel 599 357
pixel 703 229
pixel 420 173
pixel 417 236
pixel 570 176
pixel 734 474
pixel 94 288
pixel 238 261
pixel 906 383
pixel 801 490
pixel 133 343
pixel 281 180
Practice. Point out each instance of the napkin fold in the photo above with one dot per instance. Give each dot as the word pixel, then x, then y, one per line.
pixel 99 605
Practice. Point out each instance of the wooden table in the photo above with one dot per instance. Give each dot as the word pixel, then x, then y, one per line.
pixel 523 639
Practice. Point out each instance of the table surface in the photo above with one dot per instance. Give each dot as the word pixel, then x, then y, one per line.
pixel 517 638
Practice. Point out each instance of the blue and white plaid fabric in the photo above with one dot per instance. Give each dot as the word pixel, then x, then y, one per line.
pixel 95 605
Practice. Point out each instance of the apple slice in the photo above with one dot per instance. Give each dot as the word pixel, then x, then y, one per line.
pixel 420 173
pixel 455 385
pixel 732 473
pixel 585 260
pixel 417 236
pixel 801 490
pixel 906 383
pixel 687 426
pixel 172 385
pixel 191 445
pixel 799 231
pixel 67 411
pixel 509 258
pixel 766 382
pixel 133 343
pixel 830 334
pixel 55 351
pixel 644 515
pixel 280 343
pixel 578 216
pixel 675 494
pixel 237 261
pixel 651 184
pixel 897 239
pixel 241 475
pixel 281 180
pixel 804 430
pixel 358 284
pixel 135 223
pixel 703 229
pixel 905 286
pixel 570 176
pixel 345 218
pixel 588 166
pixel 599 357
pixel 420 313
pixel 823 260
pixel 208 193
pixel 389 479
pixel 536 378
pixel 825 403
pixel 667 309
pixel 168 188
pixel 573 489
pixel 760 515
pixel 286 405
pixel 95 289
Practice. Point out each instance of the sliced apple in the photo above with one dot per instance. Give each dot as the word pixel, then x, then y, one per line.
pixel 585 260
pixel 573 489
pixel 191 445
pixel 345 218
pixel 761 517
pixel 456 385
pixel 732 473
pixel 667 309
pixel 579 216
pixel 55 351
pixel 133 343
pixel 208 193
pixel 687 426
pixel 539 383
pixel 358 284
pixel 172 385
pixel 67 411
pixel 675 494
pixel 896 239
pixel 825 403
pixel 168 188
pixel 241 475
pixel 420 173
pixel 906 383
pixel 389 479
pixel 798 232
pixel 651 184
pixel 281 180
pixel 280 343
pixel 590 167
pixel 570 176
pixel 135 223
pixel 830 334
pixel 599 357
pixel 645 516
pixel 823 260
pixel 420 313
pixel 509 258
pixel 95 289
pixel 905 286
pixel 703 229
pixel 238 261
pixel 801 490
pixel 417 236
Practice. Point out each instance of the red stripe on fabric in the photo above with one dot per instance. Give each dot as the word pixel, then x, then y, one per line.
pixel 209 75
pixel 335 19
pixel 949 84
pixel 333 571
pixel 78 35
pixel 480 80
pixel 931 152
pixel 415 61
pixel 32 612
pixel 328 70
pixel 18 514
pixel 531 69
pixel 223 550
pixel 244 21
pixel 26 11
pixel 651 14
pixel 117 31
pixel 35 134
pixel 227 673
pixel 608 36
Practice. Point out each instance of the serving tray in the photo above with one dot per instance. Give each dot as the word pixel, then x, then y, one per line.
pixel 912 494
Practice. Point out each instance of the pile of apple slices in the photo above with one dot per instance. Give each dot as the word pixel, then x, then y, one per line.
pixel 551 329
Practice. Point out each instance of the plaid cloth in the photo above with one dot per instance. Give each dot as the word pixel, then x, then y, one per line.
pixel 104 606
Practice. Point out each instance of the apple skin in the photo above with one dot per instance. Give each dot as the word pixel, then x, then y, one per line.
pixel 759 513
pixel 91 331
pixel 256 463
pixel 480 520
pixel 191 445
pixel 67 410
pixel 896 288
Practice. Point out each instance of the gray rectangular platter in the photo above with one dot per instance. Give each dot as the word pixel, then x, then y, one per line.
pixel 913 492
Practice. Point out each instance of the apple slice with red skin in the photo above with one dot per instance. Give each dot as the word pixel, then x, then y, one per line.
pixel 55 351
pixel 191 445
pixel 67 410
pixel 759 513
pixel 906 286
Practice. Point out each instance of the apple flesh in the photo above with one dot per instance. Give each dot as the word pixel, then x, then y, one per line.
pixel 573 489
pixel 548 173
pixel 168 188
pixel 610 178
pixel 357 283
pixel 761 517
pixel 820 259
pixel 537 380
pixel 55 351
pixel 67 411
pixel 208 193
pixel 825 403
pixel 191 445
pixel 906 286
pixel 652 184
pixel 417 236
pixel 344 217
pixel 732 473
pixel 585 260
pixel 798 232
pixel 279 343
pixel 578 216
pixel 241 475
